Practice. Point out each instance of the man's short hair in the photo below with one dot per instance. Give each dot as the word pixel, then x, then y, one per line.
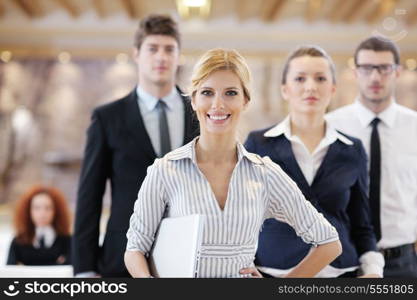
pixel 156 25
pixel 378 44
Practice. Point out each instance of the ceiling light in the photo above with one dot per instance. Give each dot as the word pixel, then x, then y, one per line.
pixel 64 57
pixel 6 56
pixel 122 58
pixel 195 3
pixel 351 63
pixel 194 8
pixel 411 64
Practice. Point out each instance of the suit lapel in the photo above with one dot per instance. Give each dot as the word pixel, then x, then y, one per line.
pixel 331 154
pixel 284 152
pixel 136 127
pixel 190 120
pixel 285 155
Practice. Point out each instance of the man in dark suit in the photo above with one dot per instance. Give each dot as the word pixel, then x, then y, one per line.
pixel 124 138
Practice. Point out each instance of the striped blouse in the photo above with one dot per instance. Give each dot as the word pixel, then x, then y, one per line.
pixel 258 189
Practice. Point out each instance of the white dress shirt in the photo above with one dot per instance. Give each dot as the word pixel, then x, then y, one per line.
pixel 47 233
pixel 398 138
pixel 309 162
pixel 175 117
pixel 258 189
pixel 372 262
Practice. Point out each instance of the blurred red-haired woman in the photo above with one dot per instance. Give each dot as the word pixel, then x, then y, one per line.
pixel 42 226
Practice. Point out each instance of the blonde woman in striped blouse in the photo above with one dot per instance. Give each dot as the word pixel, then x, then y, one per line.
pixel 236 190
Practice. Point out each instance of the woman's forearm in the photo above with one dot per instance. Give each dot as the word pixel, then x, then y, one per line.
pixel 136 264
pixel 316 260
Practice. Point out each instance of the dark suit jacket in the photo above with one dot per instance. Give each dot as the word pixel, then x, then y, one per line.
pixel 57 254
pixel 338 191
pixel 118 148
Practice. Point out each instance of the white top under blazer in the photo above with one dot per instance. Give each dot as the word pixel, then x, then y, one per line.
pixel 258 189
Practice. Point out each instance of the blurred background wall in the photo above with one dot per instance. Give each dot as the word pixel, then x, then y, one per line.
pixel 61 58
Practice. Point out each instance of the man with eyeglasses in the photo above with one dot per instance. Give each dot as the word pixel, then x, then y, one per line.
pixel 389 134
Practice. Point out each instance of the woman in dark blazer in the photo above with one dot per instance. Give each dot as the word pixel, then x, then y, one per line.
pixel 42 229
pixel 328 166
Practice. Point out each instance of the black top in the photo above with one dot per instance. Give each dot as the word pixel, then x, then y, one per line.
pixel 57 254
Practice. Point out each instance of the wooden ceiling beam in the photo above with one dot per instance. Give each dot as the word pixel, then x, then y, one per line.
pixel 312 9
pixel 271 9
pixel 29 7
pixel 412 17
pixel 2 10
pixel 69 6
pixel 355 9
pixel 242 9
pixel 383 8
pixel 130 9
pixel 338 9
pixel 98 6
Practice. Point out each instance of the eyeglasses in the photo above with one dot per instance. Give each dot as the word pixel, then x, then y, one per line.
pixel 384 69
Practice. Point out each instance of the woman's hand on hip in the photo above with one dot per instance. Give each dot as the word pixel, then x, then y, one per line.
pixel 250 272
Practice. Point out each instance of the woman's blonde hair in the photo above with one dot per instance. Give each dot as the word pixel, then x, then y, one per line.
pixel 220 60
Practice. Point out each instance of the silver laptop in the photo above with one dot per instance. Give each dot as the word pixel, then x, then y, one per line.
pixel 176 249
